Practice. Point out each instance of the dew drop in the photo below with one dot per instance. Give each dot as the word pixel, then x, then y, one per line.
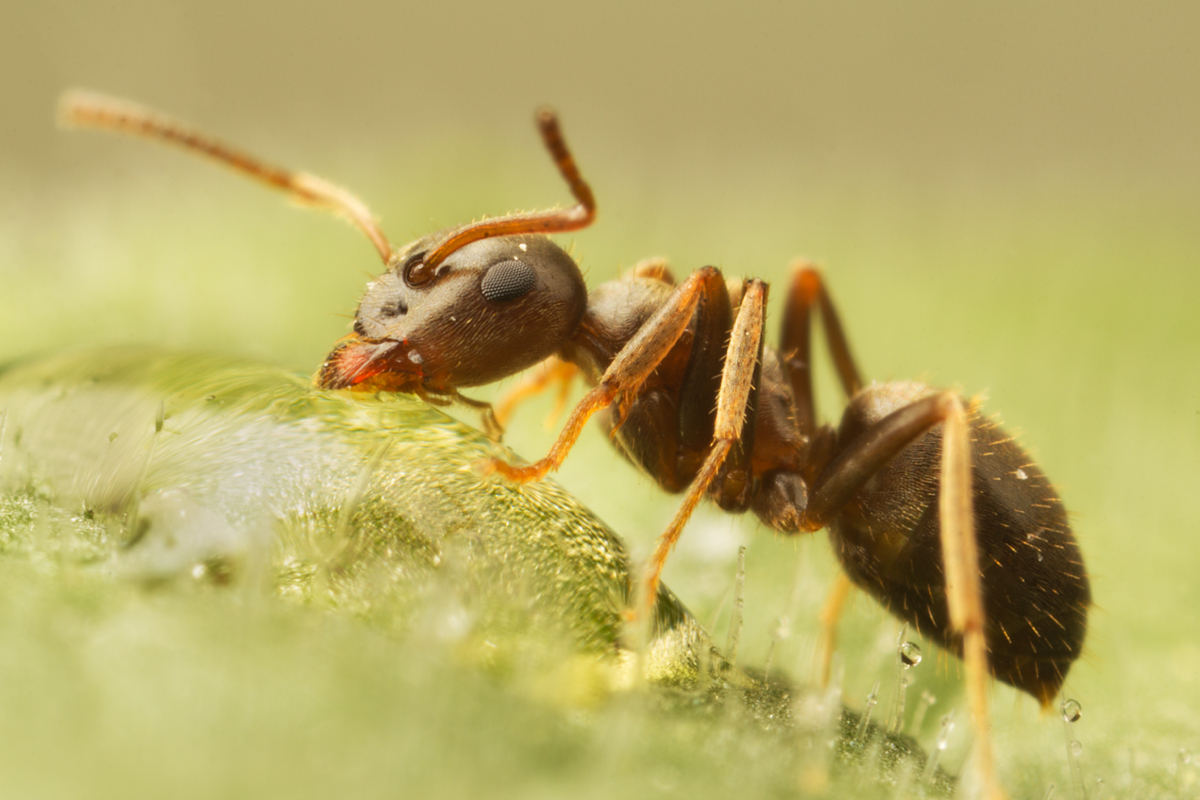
pixel 1072 711
pixel 1076 747
pixel 910 654
pixel 1040 556
pixel 1021 475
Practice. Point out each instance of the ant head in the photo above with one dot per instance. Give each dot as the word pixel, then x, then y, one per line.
pixel 471 304
pixel 487 310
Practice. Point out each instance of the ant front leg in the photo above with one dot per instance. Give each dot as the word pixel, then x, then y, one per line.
pixel 555 372
pixel 629 369
pixel 865 458
pixel 735 402
pixel 448 397
pixel 551 372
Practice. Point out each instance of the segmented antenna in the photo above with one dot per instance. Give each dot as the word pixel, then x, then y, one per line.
pixel 91 110
pixel 554 221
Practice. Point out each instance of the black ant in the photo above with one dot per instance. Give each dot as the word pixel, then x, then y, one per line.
pixel 932 508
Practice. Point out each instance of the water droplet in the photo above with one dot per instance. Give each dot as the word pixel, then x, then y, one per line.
pixel 1020 473
pixel 1072 711
pixel 1040 556
pixel 910 654
pixel 1076 747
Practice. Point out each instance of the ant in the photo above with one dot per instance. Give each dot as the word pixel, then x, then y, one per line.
pixel 932 508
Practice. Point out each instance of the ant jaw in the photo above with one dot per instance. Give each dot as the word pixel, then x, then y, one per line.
pixel 367 365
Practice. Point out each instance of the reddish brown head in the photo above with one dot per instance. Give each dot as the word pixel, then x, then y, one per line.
pixel 490 309
pixel 471 304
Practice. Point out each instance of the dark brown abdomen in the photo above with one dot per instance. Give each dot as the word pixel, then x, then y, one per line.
pixel 1036 591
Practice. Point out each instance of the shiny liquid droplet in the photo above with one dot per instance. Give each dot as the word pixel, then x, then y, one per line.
pixel 910 654
pixel 1020 473
pixel 1072 711
pixel 1076 747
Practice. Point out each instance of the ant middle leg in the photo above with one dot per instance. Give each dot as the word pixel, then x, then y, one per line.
pixel 808 290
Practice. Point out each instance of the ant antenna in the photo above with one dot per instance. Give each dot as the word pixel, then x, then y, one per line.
pixel 91 110
pixel 553 221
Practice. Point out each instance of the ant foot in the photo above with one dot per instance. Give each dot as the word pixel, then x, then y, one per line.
pixel 515 474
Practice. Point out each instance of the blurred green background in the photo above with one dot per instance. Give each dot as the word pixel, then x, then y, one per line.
pixel 1006 199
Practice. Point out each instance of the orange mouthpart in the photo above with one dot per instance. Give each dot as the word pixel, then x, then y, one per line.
pixel 366 366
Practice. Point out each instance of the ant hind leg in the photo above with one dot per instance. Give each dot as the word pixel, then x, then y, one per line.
pixel 863 459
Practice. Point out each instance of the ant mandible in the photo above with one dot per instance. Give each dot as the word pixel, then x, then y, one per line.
pixel 932 508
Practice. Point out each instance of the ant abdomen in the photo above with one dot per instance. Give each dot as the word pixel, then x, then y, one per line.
pixel 1035 590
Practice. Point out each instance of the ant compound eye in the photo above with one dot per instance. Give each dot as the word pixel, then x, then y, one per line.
pixel 508 280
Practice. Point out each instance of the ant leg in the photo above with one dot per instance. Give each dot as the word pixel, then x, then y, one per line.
pixel 831 612
pixel 960 554
pixel 445 397
pixel 964 584
pixel 491 426
pixel 655 268
pixel 555 370
pixel 669 433
pixel 737 386
pixel 807 290
pixel 550 372
pixel 625 375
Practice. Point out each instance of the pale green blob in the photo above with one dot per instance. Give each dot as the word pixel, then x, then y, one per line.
pixel 353 500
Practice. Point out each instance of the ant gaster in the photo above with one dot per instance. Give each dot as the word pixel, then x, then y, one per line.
pixel 932 508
